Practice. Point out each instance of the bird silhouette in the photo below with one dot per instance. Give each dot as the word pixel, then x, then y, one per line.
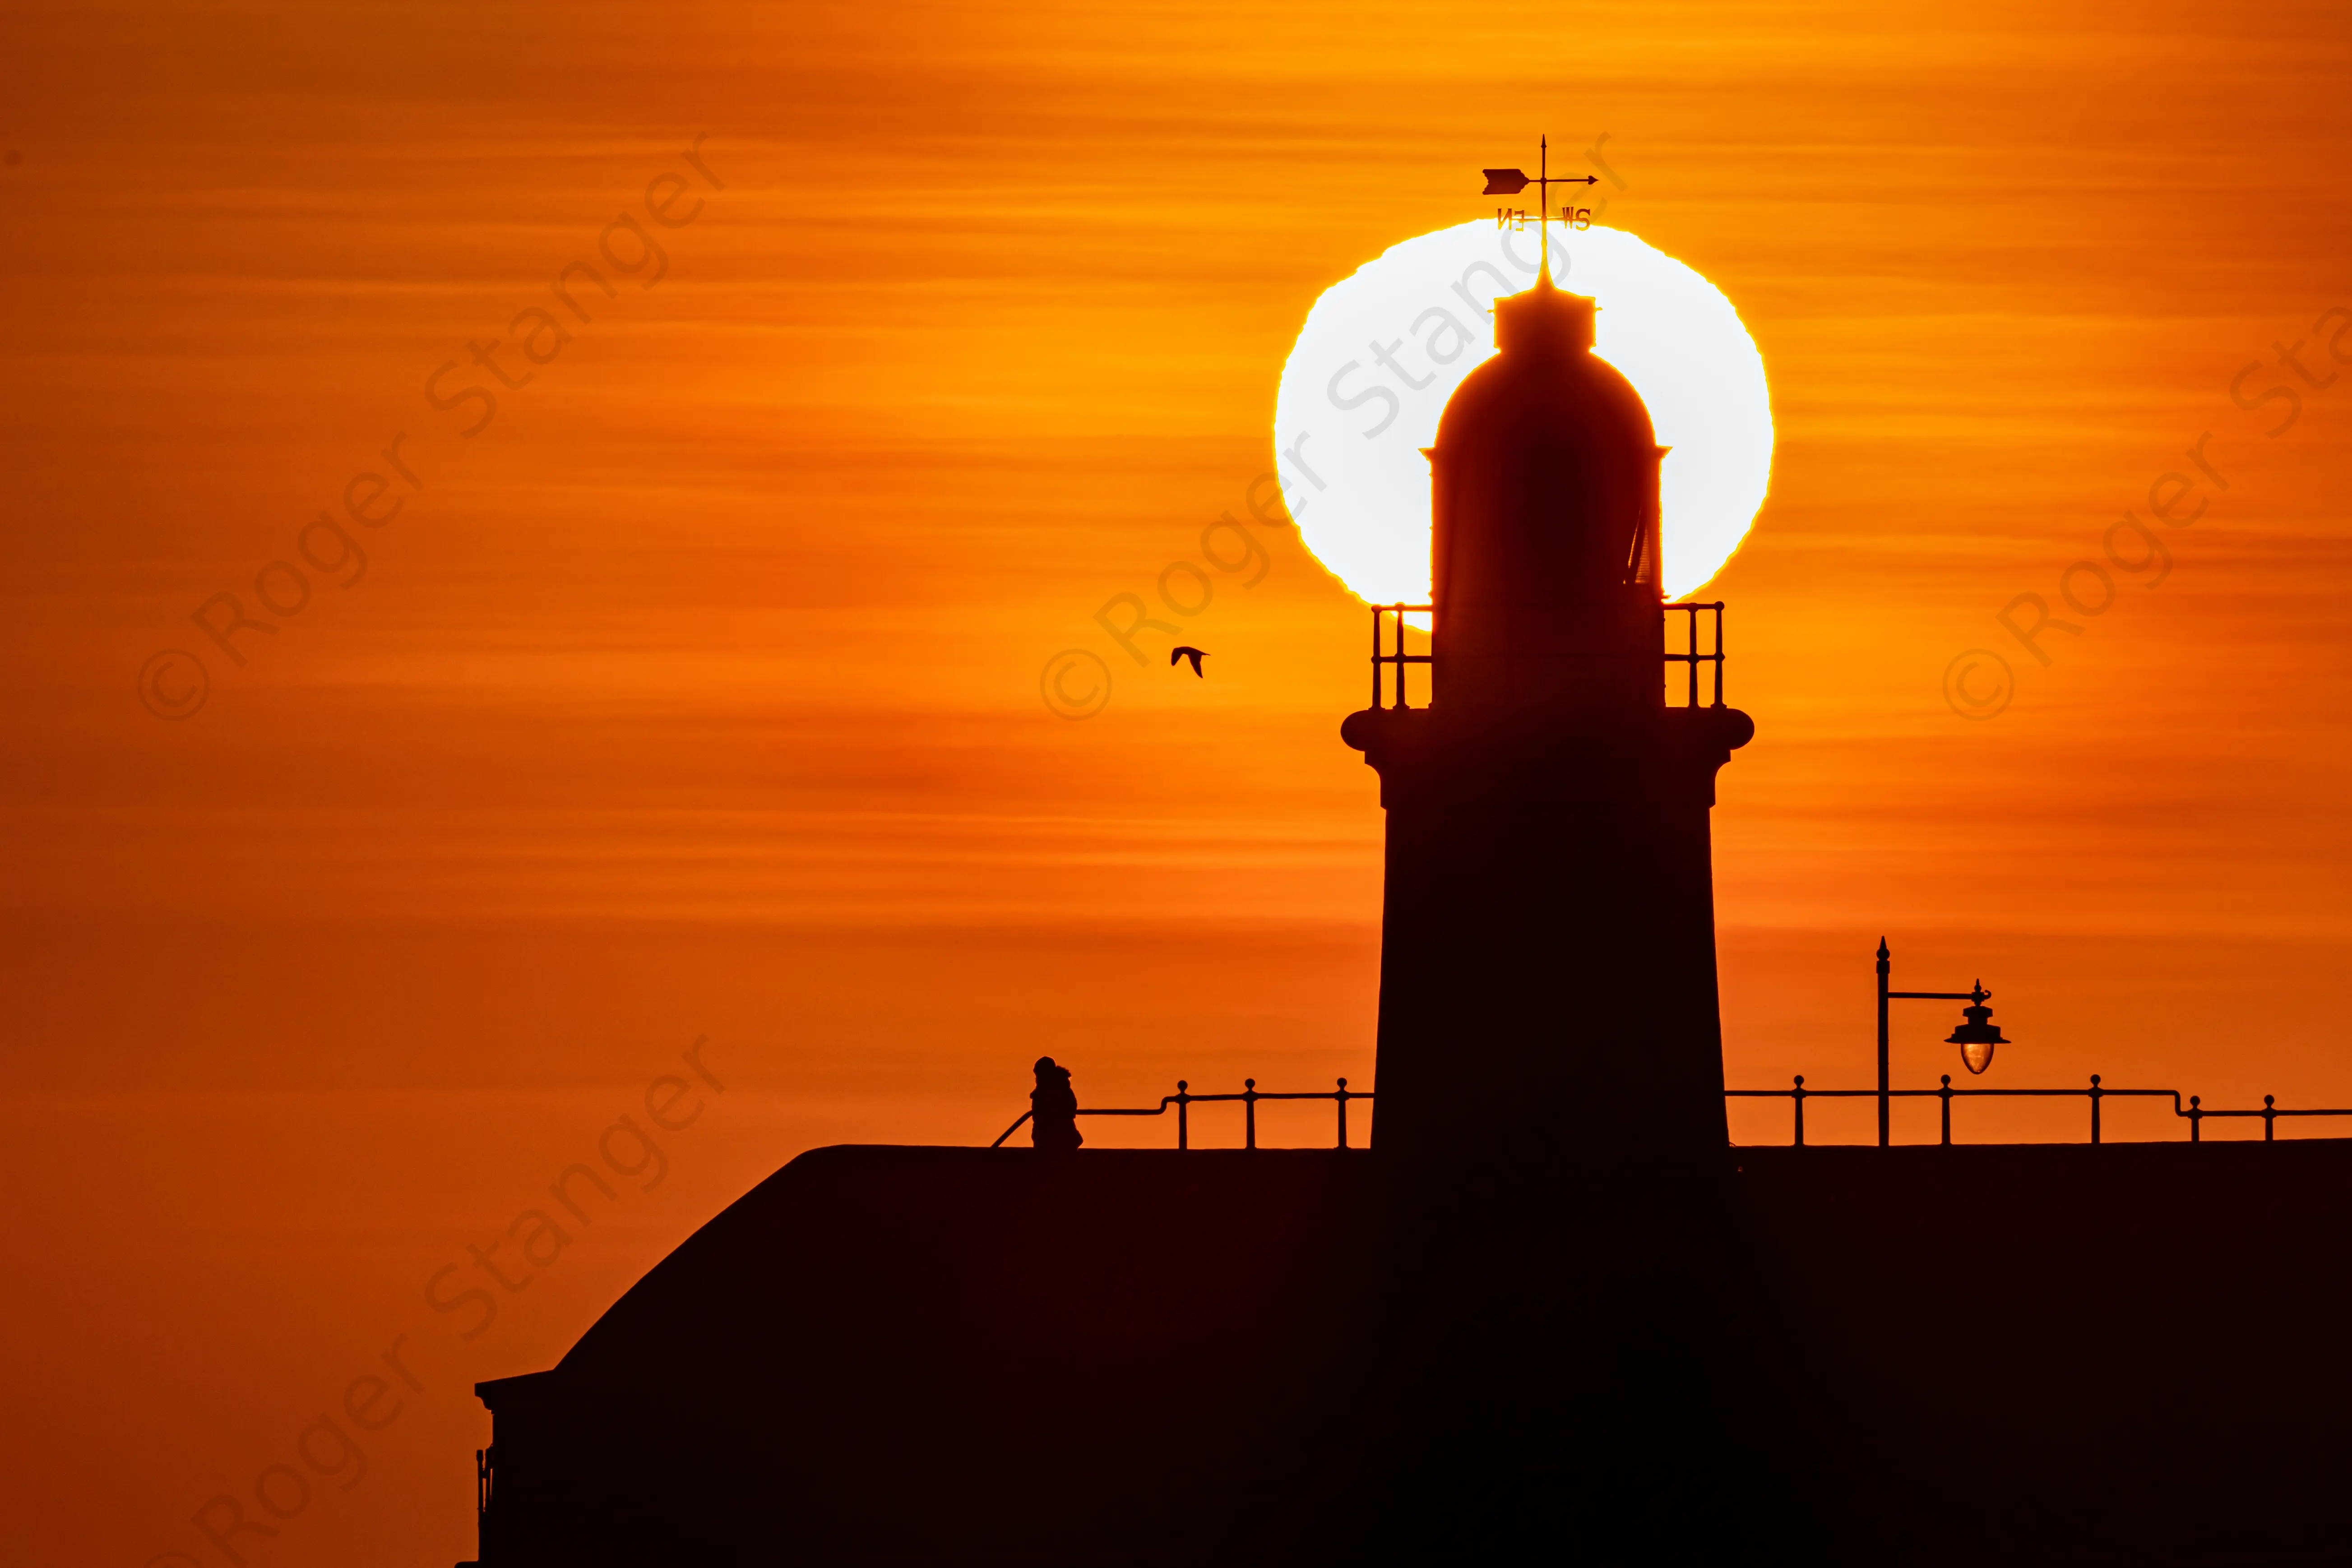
pixel 1194 653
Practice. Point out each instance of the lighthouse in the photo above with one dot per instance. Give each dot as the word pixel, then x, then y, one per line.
pixel 1548 971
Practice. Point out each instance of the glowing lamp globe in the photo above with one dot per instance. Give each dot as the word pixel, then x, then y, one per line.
pixel 1977 1035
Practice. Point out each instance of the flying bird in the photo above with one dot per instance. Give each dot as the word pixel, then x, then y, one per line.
pixel 1194 653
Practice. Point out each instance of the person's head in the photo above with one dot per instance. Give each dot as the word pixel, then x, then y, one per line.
pixel 1044 1065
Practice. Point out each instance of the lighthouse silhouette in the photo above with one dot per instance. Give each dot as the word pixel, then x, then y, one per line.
pixel 1548 932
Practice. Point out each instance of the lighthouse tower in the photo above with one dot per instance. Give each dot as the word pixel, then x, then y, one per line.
pixel 1548 982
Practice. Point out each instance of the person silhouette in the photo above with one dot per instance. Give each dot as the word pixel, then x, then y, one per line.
pixel 1053 1110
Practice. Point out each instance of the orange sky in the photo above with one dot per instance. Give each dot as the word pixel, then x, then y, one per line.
pixel 697 694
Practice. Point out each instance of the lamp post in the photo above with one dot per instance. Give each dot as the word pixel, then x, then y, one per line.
pixel 1976 1036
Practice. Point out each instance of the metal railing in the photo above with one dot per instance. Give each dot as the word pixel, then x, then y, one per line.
pixel 2194 1112
pixel 1183 1100
pixel 1694 658
pixel 1388 651
pixel 1400 658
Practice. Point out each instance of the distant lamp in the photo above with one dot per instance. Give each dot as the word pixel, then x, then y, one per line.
pixel 1504 182
pixel 1979 1035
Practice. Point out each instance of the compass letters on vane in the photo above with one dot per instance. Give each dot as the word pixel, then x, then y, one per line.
pixel 1516 217
pixel 1511 182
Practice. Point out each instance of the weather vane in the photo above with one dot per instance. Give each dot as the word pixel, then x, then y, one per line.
pixel 1511 182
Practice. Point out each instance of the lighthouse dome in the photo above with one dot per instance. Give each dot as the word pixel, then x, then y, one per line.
pixel 1545 505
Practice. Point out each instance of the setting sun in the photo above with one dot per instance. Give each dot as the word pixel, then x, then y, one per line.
pixel 1382 351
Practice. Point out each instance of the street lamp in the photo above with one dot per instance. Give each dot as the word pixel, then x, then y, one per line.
pixel 1979 1035
pixel 1975 1037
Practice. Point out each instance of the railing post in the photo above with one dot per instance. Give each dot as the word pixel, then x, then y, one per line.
pixel 1718 653
pixel 2269 1118
pixel 1184 1111
pixel 2196 1118
pixel 1376 656
pixel 2096 1092
pixel 1944 1094
pixel 1249 1113
pixel 1342 1098
pixel 1693 618
pixel 1885 1136
pixel 1797 1096
pixel 1403 701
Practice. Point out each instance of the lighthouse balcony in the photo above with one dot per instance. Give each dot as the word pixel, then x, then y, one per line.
pixel 1686 648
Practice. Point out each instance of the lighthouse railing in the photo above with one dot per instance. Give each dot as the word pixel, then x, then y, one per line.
pixel 1692 657
pixel 1389 654
pixel 1394 616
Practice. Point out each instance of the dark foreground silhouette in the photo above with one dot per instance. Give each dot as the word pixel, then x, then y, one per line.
pixel 2032 1355
pixel 1551 1316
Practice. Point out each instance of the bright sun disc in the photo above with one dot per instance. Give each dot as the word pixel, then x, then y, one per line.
pixel 1383 349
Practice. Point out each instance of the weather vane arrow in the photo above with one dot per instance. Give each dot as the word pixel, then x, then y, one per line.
pixel 1511 182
